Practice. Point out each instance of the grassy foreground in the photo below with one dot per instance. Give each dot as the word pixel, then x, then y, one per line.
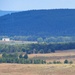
pixel 41 69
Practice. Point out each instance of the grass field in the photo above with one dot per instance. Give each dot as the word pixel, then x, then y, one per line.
pixel 42 69
pixel 57 56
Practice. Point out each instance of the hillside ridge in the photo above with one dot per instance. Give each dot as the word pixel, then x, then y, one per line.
pixel 54 22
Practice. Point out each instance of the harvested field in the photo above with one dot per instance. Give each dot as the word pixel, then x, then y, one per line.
pixel 58 55
pixel 41 69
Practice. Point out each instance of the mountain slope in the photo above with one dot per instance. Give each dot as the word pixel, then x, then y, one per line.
pixel 57 22
pixel 5 12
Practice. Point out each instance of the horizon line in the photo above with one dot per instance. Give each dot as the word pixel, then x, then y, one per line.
pixel 38 9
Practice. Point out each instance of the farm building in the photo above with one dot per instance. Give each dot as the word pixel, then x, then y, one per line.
pixel 5 39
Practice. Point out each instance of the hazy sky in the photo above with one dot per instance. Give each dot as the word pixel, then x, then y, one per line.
pixel 35 4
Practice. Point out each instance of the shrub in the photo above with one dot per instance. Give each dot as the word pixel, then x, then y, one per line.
pixel 58 62
pixel 71 62
pixel 50 63
pixel 66 62
pixel 54 62
pixel 26 56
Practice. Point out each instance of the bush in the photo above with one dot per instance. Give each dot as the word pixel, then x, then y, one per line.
pixel 58 62
pixel 20 56
pixel 71 62
pixel 26 56
pixel 66 62
pixel 54 62
pixel 50 63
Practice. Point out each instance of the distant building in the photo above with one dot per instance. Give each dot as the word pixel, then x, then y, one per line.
pixel 5 39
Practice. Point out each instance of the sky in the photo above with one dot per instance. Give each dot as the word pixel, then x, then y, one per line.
pixel 20 5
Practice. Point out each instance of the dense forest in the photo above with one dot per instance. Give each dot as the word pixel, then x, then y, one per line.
pixel 45 39
pixel 35 48
pixel 56 22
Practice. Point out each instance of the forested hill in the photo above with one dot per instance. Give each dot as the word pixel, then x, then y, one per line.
pixel 39 22
pixel 5 12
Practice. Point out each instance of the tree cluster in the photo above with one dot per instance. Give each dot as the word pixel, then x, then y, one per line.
pixel 36 48
pixel 22 59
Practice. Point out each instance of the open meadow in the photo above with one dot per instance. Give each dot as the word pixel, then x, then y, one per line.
pixel 37 69
pixel 42 69
pixel 57 56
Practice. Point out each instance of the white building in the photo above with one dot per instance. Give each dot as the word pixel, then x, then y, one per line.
pixel 5 39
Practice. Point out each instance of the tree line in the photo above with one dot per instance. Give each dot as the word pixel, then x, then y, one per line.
pixel 40 39
pixel 22 59
pixel 36 48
